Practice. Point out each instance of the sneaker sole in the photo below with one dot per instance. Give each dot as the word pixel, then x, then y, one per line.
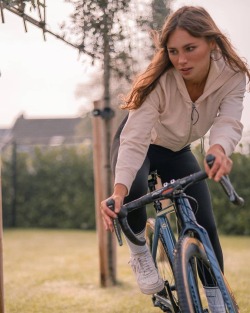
pixel 151 291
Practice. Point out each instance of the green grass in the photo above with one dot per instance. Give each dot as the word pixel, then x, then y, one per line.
pixel 56 271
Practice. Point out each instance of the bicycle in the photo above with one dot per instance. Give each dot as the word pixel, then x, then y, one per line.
pixel 183 259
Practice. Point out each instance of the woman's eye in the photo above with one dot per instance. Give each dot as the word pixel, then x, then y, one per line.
pixel 191 48
pixel 173 52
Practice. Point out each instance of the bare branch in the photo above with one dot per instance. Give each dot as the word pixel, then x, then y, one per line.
pixel 40 24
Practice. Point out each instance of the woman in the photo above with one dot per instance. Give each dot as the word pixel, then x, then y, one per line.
pixel 195 83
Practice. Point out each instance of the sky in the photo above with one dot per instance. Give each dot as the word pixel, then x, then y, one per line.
pixel 40 78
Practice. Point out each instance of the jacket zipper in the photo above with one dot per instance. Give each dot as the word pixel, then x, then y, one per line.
pixel 191 125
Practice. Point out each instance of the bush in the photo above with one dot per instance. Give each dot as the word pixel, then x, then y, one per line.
pixel 49 188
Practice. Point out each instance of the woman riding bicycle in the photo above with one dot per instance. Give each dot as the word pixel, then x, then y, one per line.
pixel 194 83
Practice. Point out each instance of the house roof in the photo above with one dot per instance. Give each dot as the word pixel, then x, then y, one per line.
pixel 54 131
pixel 5 135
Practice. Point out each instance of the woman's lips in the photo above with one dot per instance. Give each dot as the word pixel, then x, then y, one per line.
pixel 185 70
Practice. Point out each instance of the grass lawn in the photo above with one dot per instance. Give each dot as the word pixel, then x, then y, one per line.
pixel 56 271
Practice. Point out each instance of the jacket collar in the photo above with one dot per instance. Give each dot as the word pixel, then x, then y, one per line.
pixel 217 76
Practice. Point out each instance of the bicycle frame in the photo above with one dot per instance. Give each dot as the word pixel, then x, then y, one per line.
pixel 188 225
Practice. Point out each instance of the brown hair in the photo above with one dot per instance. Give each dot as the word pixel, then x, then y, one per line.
pixel 198 23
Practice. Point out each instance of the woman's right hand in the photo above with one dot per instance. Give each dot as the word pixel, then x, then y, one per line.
pixel 120 191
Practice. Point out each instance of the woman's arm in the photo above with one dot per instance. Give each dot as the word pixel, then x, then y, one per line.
pixel 227 128
pixel 226 131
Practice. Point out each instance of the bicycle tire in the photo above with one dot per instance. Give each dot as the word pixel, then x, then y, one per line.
pixel 163 264
pixel 188 250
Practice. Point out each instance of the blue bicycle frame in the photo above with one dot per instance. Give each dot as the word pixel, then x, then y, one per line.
pixel 189 226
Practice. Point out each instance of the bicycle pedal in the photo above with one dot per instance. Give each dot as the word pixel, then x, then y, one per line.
pixel 163 303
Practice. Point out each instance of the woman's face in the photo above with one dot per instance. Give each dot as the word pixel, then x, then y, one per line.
pixel 189 55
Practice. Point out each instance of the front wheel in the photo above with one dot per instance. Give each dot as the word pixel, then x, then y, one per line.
pixel 190 259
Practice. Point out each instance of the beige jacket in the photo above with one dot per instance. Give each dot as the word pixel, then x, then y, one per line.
pixel 165 118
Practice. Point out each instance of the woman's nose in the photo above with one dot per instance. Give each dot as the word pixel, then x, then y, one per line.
pixel 182 58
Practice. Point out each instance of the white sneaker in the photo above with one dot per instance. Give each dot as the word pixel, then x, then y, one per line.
pixel 146 274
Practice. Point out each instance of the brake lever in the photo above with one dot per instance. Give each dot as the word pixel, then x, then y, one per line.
pixel 233 196
pixel 111 205
pixel 226 184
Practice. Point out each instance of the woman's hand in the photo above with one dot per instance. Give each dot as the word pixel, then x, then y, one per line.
pixel 222 164
pixel 120 191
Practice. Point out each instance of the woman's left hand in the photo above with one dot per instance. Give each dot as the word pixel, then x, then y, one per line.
pixel 222 164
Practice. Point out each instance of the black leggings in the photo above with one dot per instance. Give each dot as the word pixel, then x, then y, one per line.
pixel 169 165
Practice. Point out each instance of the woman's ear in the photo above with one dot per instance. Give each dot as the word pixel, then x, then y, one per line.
pixel 213 45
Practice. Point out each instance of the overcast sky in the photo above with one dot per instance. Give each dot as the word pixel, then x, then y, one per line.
pixel 39 78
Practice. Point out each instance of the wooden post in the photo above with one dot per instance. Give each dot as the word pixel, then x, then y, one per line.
pixel 106 240
pixel 14 184
pixel 1 248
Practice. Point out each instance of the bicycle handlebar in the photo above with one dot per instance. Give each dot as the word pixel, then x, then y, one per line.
pixel 122 217
pixel 167 192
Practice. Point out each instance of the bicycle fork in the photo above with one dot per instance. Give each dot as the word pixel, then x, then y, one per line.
pixel 163 232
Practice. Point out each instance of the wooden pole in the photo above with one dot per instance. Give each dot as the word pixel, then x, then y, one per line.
pixel 14 184
pixel 106 240
pixel 1 249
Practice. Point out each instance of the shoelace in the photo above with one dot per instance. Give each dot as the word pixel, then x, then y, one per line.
pixel 141 264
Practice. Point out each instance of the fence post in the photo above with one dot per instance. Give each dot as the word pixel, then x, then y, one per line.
pixel 102 181
pixel 1 248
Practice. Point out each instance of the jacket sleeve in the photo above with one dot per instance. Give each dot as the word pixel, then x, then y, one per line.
pixel 227 128
pixel 135 139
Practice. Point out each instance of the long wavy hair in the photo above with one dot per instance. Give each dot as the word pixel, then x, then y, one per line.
pixel 198 23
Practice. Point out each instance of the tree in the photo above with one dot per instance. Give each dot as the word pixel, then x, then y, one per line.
pixel 100 28
pixel 109 32
pixel 98 32
pixel 160 11
pixel 115 34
